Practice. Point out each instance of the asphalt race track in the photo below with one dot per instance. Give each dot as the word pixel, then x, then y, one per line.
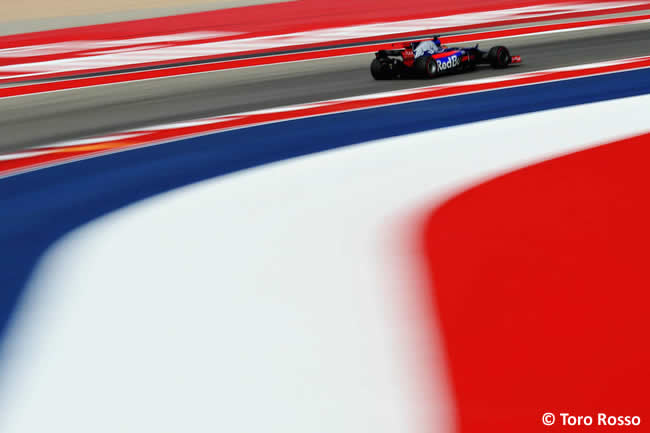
pixel 34 120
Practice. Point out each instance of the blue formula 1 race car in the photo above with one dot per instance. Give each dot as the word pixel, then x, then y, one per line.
pixel 429 58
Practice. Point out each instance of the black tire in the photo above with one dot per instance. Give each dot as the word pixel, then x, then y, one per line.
pixel 499 57
pixel 426 66
pixel 380 70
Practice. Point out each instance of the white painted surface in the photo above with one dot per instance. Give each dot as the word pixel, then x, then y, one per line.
pixel 278 299
pixel 156 53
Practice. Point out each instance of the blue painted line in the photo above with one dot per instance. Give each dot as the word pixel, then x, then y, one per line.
pixel 38 208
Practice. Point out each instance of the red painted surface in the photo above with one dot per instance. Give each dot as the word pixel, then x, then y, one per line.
pixel 540 280
pixel 299 15
pixel 83 50
pixel 28 89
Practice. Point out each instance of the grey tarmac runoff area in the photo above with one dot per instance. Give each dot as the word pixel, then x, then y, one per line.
pixel 35 120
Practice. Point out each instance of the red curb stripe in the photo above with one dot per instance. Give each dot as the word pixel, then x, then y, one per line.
pixel 541 291
pixel 298 16
pixel 29 89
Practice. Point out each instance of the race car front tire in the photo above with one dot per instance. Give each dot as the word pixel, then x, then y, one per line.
pixel 380 70
pixel 426 66
pixel 499 57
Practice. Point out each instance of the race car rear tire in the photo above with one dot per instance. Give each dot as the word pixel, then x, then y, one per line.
pixel 380 70
pixel 499 57
pixel 426 66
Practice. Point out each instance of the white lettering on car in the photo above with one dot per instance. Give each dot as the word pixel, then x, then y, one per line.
pixel 450 63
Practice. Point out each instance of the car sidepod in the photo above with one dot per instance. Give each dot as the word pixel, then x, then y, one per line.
pixel 449 61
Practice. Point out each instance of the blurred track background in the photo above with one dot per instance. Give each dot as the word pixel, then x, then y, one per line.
pixel 127 275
